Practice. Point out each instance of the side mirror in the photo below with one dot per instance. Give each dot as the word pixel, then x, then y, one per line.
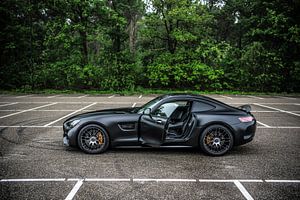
pixel 147 111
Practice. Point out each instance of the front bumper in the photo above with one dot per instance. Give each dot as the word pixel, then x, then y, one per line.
pixel 69 135
pixel 66 141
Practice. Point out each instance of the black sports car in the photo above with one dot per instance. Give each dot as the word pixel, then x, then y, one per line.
pixel 169 120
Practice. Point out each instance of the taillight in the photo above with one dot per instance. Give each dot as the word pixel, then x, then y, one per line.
pixel 246 119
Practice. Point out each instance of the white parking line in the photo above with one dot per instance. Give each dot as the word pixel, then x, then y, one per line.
pixel 265 125
pixel 33 180
pixel 74 190
pixel 73 102
pixel 50 97
pixel 151 179
pixel 27 110
pixel 284 111
pixel 129 102
pixel 25 126
pixel 163 180
pixel 45 110
pixel 243 190
pixel 43 126
pixel 82 96
pixel 111 96
pixel 281 127
pixel 282 181
pixel 133 105
pixel 107 179
pixel 140 96
pixel 225 97
pixel 255 97
pixel 24 96
pixel 69 114
pixel 8 104
pixel 285 97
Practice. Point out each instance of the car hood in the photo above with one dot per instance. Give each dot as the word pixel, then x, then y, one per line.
pixel 117 111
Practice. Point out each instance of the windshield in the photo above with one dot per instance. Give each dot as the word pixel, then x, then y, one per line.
pixel 150 105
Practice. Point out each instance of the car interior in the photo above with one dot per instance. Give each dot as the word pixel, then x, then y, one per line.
pixel 180 122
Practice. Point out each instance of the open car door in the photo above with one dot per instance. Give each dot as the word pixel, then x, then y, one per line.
pixel 152 129
pixel 153 124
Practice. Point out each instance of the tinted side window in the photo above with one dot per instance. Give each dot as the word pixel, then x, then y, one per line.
pixel 200 106
pixel 167 109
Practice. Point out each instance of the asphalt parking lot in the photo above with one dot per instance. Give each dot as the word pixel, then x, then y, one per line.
pixel 35 165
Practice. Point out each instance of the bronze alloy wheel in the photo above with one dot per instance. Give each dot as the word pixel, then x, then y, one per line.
pixel 93 138
pixel 216 140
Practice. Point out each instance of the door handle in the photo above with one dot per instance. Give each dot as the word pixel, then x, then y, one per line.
pixel 159 121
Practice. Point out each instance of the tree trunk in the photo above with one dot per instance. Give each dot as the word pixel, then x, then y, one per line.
pixel 132 32
pixel 84 47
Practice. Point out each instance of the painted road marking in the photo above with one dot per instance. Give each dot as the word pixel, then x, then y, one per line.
pixel 284 111
pixel 265 125
pixel 69 114
pixel 43 126
pixel 82 96
pixel 285 97
pixel 27 110
pixel 282 181
pixel 50 97
pixel 8 104
pixel 133 105
pixel 74 102
pixel 41 110
pixel 281 127
pixel 129 102
pixel 107 179
pixel 225 97
pixel 255 97
pixel 111 96
pixel 74 190
pixel 54 110
pixel 163 180
pixel 33 180
pixel 25 126
pixel 243 190
pixel 151 179
pixel 24 96
pixel 140 96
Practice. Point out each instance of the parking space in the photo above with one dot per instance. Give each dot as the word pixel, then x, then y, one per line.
pixel 34 164
pixel 273 190
pixel 276 119
pixel 35 190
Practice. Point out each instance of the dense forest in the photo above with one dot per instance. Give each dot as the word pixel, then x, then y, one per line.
pixel 205 45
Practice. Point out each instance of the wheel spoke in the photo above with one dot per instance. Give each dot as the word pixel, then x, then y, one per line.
pixel 217 140
pixel 89 138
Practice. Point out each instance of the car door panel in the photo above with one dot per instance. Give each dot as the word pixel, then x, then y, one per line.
pixel 152 130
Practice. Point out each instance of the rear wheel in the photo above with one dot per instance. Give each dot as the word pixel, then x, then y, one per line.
pixel 216 140
pixel 93 139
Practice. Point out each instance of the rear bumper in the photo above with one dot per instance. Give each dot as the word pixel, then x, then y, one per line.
pixel 244 132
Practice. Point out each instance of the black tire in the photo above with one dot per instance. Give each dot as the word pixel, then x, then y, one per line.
pixel 216 140
pixel 93 139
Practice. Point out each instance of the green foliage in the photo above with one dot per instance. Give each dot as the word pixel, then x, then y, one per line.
pixel 123 45
pixel 192 75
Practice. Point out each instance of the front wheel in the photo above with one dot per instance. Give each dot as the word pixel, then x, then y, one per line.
pixel 216 140
pixel 93 139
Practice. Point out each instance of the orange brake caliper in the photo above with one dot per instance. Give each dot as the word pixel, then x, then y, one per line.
pixel 100 138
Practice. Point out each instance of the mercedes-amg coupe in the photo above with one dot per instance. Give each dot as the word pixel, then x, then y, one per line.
pixel 169 120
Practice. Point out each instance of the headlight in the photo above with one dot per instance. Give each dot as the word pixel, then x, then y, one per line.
pixel 74 123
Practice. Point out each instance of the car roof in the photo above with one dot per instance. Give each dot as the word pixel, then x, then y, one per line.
pixel 184 95
pixel 194 96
